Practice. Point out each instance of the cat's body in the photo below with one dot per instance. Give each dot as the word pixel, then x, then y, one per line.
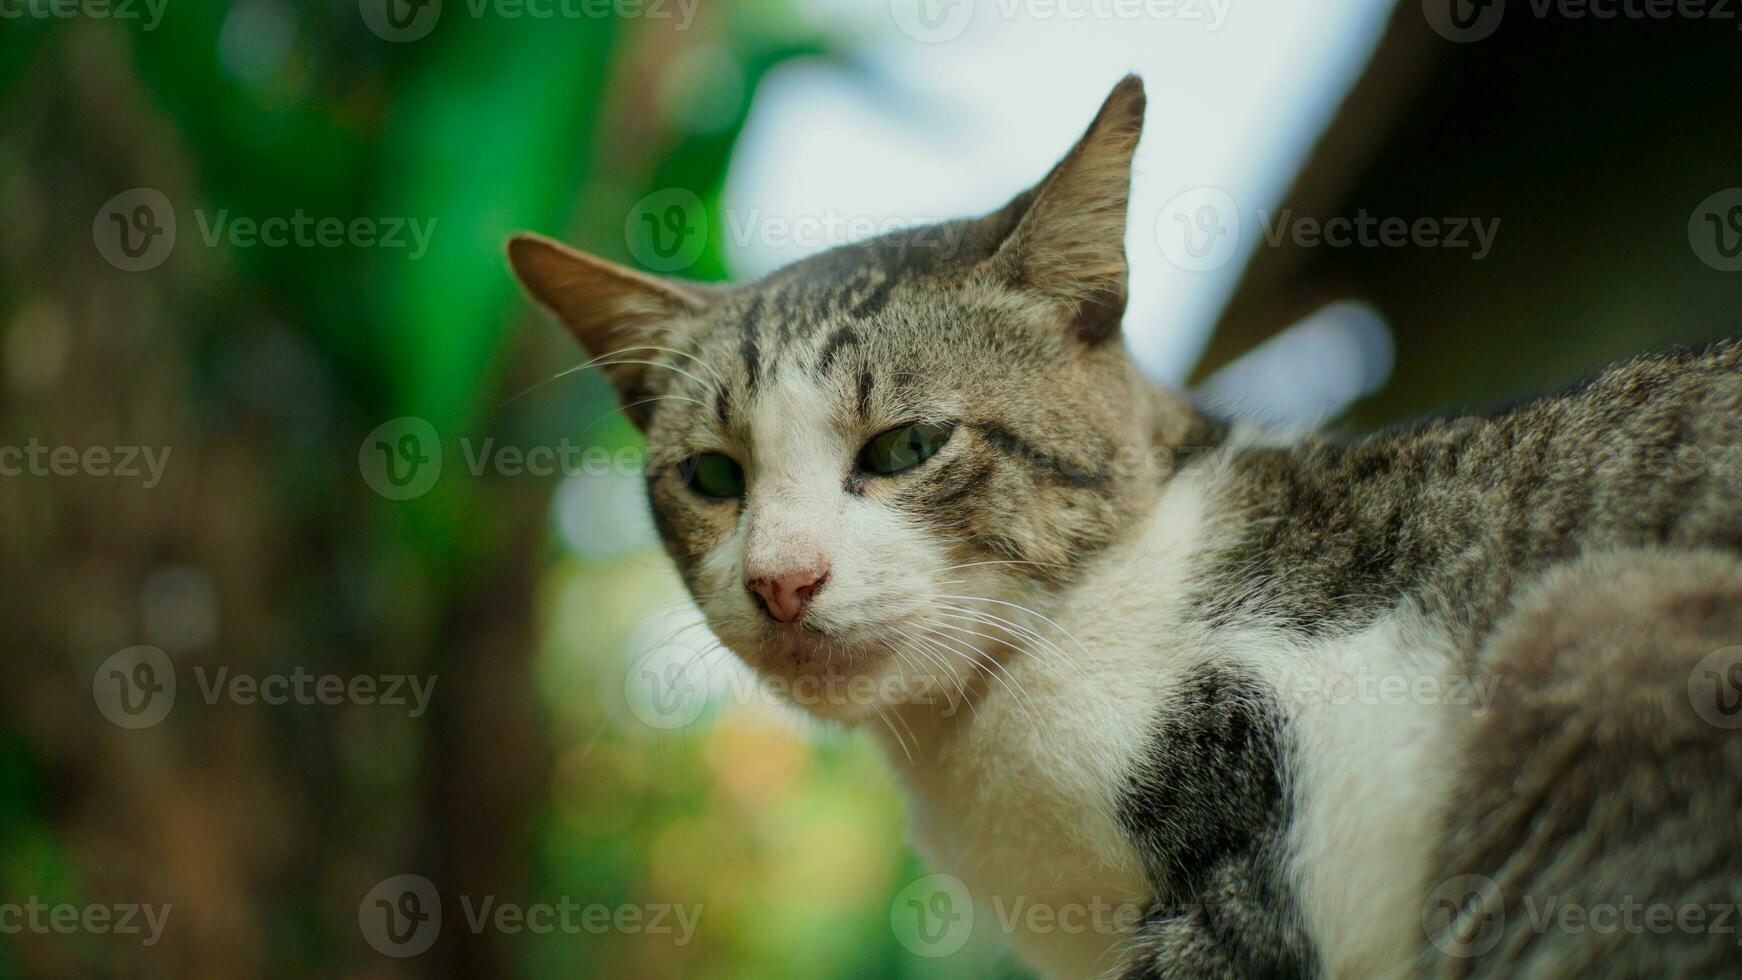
pixel 1317 621
pixel 1173 698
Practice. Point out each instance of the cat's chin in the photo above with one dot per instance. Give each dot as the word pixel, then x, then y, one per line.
pixel 836 682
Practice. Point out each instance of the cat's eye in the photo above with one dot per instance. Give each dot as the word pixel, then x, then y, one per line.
pixel 903 447
pixel 713 475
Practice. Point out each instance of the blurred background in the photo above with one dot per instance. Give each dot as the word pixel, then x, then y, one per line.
pixel 335 640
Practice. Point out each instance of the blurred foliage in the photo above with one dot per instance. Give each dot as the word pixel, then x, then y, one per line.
pixel 263 369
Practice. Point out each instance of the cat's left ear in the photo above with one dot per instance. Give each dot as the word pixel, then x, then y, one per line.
pixel 1069 244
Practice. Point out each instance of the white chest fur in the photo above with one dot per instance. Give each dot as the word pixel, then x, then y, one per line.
pixel 1019 796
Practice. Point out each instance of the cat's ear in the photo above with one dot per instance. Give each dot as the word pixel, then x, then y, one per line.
pixel 616 313
pixel 1069 243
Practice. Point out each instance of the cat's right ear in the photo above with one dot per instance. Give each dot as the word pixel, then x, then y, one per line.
pixel 617 313
pixel 1068 243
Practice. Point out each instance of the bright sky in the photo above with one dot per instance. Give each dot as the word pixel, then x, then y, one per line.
pixel 994 91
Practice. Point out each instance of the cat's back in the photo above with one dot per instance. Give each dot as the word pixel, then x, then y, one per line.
pixel 1592 823
pixel 1455 515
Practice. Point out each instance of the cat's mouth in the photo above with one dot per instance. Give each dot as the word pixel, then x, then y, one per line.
pixel 810 646
pixel 831 675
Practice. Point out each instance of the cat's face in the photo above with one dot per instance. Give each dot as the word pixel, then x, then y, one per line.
pixel 870 464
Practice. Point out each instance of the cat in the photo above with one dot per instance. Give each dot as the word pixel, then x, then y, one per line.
pixel 1416 703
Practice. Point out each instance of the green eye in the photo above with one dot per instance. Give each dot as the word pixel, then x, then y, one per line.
pixel 713 475
pixel 903 447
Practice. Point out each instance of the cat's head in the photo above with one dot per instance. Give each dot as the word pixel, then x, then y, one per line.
pixel 869 463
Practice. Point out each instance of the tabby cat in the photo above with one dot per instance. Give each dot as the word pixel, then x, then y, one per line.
pixel 1457 699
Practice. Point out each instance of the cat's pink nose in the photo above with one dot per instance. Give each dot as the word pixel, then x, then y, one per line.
pixel 784 597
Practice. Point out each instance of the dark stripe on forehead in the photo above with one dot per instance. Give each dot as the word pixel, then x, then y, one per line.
pixel 1053 466
pixel 864 393
pixel 747 345
pixel 752 356
pixel 841 339
pixel 876 298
